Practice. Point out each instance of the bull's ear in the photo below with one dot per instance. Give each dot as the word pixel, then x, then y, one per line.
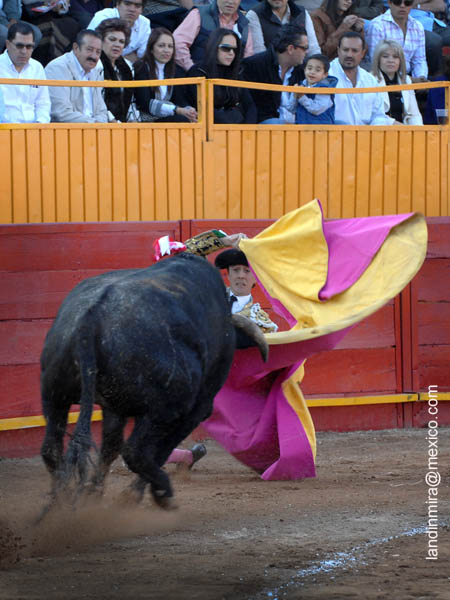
pixel 252 332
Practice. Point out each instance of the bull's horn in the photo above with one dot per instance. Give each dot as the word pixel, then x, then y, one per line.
pixel 252 330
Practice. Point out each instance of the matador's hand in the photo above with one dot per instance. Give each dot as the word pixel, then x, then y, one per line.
pixel 233 239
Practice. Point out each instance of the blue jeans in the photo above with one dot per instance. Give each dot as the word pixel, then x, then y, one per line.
pixel 273 121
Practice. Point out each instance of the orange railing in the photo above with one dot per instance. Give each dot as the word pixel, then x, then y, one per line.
pixel 159 171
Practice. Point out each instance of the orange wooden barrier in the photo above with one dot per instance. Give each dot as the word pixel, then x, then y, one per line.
pixel 136 171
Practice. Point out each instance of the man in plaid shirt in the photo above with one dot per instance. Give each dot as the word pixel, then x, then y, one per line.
pixel 396 24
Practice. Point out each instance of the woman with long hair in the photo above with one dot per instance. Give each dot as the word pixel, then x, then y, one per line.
pixel 223 61
pixel 163 103
pixel 389 67
pixel 333 19
pixel 115 37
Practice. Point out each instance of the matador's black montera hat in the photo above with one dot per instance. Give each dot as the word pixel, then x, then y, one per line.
pixel 229 258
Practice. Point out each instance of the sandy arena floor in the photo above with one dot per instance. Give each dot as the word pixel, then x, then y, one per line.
pixel 356 531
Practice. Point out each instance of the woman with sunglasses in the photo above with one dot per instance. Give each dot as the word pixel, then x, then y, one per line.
pixel 163 103
pixel 333 19
pixel 222 61
pixel 389 67
pixel 115 37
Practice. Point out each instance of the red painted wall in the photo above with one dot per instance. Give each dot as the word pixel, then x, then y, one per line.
pixel 403 347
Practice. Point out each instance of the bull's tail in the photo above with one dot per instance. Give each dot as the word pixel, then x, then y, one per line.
pixel 77 456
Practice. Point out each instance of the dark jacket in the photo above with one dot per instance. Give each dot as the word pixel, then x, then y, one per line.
pixel 117 100
pixel 209 16
pixel 328 32
pixel 231 105
pixel 368 9
pixel 263 68
pixel 271 24
pixel 143 95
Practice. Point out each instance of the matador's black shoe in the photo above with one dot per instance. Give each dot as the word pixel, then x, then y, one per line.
pixel 198 452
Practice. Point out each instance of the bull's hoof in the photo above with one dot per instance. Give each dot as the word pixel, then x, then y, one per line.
pixel 166 502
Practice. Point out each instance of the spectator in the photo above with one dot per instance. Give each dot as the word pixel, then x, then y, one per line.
pixel 78 104
pixel 437 8
pixel 191 35
pixel 166 13
pixel 355 109
pixel 368 9
pixel 389 67
pixel 58 30
pixel 333 19
pixel 315 108
pixel 10 12
pixel 436 96
pixel 432 15
pixel 115 36
pixel 163 103
pixel 131 12
pixel 23 103
pixel 83 11
pixel 222 61
pixel 269 15
pixel 281 64
pixel 397 24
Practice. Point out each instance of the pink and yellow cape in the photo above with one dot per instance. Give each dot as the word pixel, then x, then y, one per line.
pixel 323 277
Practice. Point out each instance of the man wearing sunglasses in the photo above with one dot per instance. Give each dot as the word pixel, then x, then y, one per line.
pixel 281 64
pixel 23 103
pixel 397 24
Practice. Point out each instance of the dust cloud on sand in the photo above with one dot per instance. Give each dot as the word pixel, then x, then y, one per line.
pixel 356 530
pixel 67 529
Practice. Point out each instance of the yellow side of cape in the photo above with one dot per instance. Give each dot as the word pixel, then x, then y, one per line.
pixel 290 259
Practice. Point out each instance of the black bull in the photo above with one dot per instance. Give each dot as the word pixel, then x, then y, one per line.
pixel 155 344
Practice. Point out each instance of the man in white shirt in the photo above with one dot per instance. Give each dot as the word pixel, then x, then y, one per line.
pixel 23 103
pixel 355 109
pixel 131 12
pixel 78 104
